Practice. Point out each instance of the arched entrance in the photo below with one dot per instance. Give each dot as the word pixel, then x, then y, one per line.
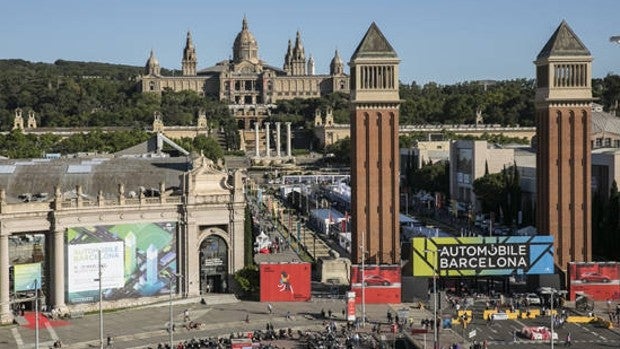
pixel 213 265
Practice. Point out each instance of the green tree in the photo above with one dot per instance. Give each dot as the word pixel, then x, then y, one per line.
pixel 486 189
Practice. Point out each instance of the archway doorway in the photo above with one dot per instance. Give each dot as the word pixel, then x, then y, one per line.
pixel 213 265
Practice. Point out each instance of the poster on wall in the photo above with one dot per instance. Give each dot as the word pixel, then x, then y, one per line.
pixel 27 277
pixel 600 281
pixel 83 266
pixel 285 282
pixel 137 260
pixel 381 283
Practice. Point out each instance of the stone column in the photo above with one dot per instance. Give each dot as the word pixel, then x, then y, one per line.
pixel 278 145
pixel 59 269
pixel 288 139
pixel 257 140
pixel 5 309
pixel 267 144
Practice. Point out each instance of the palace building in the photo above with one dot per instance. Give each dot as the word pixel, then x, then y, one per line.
pixel 248 84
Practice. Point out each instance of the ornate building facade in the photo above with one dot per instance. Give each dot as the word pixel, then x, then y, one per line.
pixel 248 84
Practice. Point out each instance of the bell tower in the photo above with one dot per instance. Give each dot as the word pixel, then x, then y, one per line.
pixel 188 65
pixel 374 150
pixel 563 161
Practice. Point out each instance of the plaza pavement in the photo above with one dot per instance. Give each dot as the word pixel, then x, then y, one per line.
pixel 146 326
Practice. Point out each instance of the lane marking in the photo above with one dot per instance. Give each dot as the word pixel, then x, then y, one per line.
pixel 596 334
pixel 51 330
pixel 18 337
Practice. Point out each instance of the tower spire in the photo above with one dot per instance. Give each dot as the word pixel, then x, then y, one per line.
pixel 188 64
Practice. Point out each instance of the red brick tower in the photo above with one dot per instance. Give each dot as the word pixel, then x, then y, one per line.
pixel 374 150
pixel 563 164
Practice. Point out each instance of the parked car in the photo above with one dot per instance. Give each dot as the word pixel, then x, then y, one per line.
pixel 532 299
pixel 592 276
pixel 538 333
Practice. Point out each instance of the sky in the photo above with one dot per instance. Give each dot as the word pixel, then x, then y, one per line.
pixel 443 41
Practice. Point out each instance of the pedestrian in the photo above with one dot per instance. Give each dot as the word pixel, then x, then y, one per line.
pixel 109 341
pixel 269 308
pixel 247 318
pixel 186 315
pixel 329 313
pixel 568 340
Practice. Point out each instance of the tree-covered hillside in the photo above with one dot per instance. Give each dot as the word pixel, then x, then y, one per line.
pixel 88 94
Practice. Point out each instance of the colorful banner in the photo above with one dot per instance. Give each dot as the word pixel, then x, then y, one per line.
pixel 381 283
pixel 285 282
pixel 83 267
pixel 137 260
pixel 26 277
pixel 350 306
pixel 600 281
pixel 469 256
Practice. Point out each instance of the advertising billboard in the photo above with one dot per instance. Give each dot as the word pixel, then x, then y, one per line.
pixel 285 282
pixel 83 268
pixel 379 283
pixel 600 281
pixel 27 277
pixel 470 256
pixel 137 260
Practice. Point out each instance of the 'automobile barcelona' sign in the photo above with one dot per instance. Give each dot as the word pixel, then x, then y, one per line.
pixel 468 256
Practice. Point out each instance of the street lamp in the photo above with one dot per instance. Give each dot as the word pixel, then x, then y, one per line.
pixel 170 322
pixel 363 277
pixel 551 292
pixel 36 313
pixel 435 333
pixel 99 280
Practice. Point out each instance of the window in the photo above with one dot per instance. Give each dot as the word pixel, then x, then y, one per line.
pixel 598 142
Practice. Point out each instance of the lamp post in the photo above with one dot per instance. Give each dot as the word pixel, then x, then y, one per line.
pixel 551 292
pixel 363 249
pixel 170 321
pixel 99 280
pixel 435 333
pixel 36 314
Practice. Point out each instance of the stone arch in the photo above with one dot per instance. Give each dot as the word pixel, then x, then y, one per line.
pixel 215 259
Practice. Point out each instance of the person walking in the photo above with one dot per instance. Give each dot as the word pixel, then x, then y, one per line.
pixel 269 308
pixel 568 342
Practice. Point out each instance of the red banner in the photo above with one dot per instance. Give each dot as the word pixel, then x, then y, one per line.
pixel 350 306
pixel 285 282
pixel 380 285
pixel 600 281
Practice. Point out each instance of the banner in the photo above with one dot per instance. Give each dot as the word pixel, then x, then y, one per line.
pixel 83 266
pixel 379 284
pixel 285 282
pixel 26 277
pixel 350 306
pixel 137 260
pixel 469 256
pixel 600 281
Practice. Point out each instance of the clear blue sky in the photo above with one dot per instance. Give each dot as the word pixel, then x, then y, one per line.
pixel 445 41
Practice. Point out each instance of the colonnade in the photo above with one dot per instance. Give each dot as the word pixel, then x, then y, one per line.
pixel 278 142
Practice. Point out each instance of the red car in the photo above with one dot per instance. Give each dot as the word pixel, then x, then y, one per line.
pixel 593 276
pixel 376 280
